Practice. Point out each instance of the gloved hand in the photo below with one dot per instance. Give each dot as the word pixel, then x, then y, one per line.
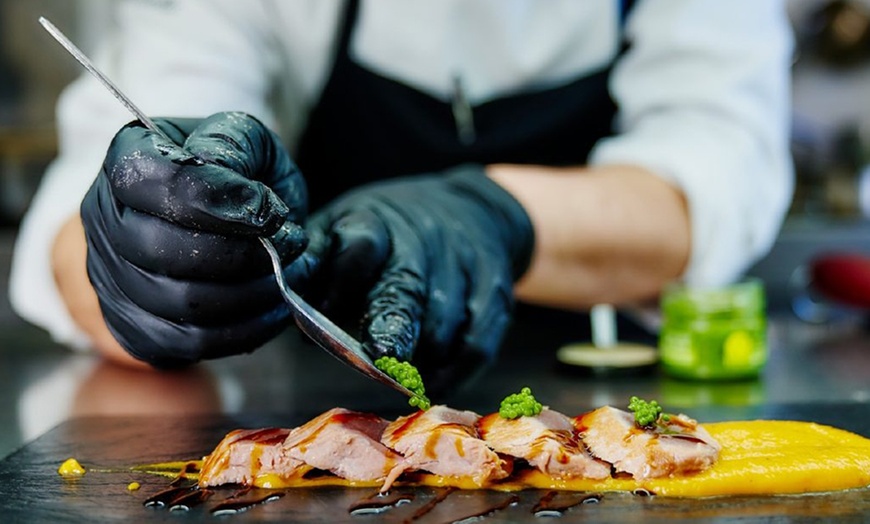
pixel 172 237
pixel 427 263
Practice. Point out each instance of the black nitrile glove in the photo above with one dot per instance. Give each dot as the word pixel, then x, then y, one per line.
pixel 172 237
pixel 427 263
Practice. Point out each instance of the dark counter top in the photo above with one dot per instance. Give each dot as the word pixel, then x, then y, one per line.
pixel 32 491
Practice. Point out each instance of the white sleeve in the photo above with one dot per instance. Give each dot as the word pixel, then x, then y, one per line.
pixel 704 101
pixel 179 58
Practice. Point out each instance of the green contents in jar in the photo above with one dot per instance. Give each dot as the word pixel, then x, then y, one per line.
pixel 718 333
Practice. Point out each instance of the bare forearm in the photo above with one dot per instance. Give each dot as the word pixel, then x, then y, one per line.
pixel 614 234
pixel 68 258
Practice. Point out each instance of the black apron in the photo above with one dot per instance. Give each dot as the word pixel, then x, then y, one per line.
pixel 366 127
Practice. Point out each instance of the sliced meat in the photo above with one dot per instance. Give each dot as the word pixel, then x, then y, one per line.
pixel 547 441
pixel 346 443
pixel 679 446
pixel 244 455
pixel 445 442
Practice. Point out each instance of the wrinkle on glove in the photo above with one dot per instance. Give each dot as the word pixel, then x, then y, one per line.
pixel 172 230
pixel 425 265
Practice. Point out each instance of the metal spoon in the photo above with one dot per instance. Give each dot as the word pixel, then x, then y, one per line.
pixel 320 329
pixel 324 332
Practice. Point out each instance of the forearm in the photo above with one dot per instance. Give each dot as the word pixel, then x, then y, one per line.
pixel 68 259
pixel 614 234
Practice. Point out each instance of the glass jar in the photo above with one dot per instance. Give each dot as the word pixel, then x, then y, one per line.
pixel 714 333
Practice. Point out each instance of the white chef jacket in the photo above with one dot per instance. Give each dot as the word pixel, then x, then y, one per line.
pixel 703 97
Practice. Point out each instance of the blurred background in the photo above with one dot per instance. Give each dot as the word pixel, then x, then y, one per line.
pixel 830 214
pixel 32 74
pixel 831 133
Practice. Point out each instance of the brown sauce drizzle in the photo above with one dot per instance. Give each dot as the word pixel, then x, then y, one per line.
pixel 178 498
pixel 509 501
pixel 555 503
pixel 194 498
pixel 429 506
pixel 184 498
pixel 190 467
pixel 431 442
pixel 266 436
pixel 406 423
pixel 180 495
pixel 163 498
pixel 238 503
pixel 379 502
pixel 178 481
pixel 690 438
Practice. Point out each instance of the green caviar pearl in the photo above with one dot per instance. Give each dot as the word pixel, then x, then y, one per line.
pixel 645 413
pixel 408 376
pixel 520 404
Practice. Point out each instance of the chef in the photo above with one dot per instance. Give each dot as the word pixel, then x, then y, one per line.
pixel 418 165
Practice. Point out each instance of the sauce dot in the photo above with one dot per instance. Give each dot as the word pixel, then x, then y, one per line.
pixel 133 486
pixel 71 468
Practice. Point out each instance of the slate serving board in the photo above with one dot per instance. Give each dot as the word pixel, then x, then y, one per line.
pixel 32 491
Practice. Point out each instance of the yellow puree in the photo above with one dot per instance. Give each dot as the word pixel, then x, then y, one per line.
pixel 71 468
pixel 757 458
pixel 767 457
pixel 172 469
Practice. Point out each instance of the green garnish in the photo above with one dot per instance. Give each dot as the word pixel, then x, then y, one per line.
pixel 520 404
pixel 407 375
pixel 646 413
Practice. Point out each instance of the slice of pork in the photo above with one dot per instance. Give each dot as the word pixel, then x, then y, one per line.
pixel 444 441
pixel 246 454
pixel 346 443
pixel 547 441
pixel 679 446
